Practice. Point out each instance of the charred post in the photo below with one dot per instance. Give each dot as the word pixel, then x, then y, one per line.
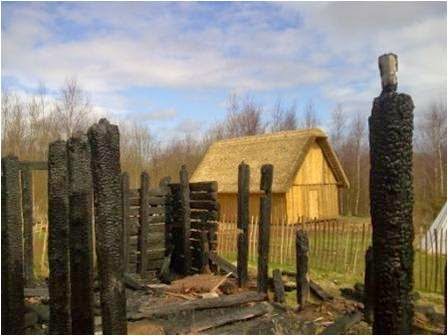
pixel 27 211
pixel 59 239
pixel 126 205
pixel 13 300
pixel 144 222
pixel 391 203
pixel 185 217
pixel 81 232
pixel 302 281
pixel 279 287
pixel 105 150
pixel 369 286
pixel 264 227
pixel 243 222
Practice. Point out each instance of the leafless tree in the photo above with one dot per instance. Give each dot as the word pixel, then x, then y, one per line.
pixel 283 119
pixel 310 119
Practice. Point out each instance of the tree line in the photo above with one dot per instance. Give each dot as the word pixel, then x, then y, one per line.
pixel 30 123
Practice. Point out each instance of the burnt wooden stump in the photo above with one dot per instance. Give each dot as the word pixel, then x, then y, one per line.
pixel 105 150
pixel 13 308
pixel 243 223
pixel 302 282
pixel 279 287
pixel 58 239
pixel 81 243
pixel 264 228
pixel 391 203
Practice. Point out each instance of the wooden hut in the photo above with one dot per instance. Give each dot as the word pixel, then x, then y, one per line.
pixel 307 173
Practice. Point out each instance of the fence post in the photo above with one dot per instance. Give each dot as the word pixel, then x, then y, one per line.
pixel 264 227
pixel 58 239
pixel 302 283
pixel 243 222
pixel 391 200
pixel 369 286
pixel 27 211
pixel 81 244
pixel 105 148
pixel 144 224
pixel 13 308
pixel 185 217
pixel 126 206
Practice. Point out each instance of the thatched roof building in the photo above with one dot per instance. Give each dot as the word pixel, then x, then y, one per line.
pixel 307 172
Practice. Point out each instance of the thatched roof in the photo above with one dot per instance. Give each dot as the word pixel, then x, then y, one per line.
pixel 285 150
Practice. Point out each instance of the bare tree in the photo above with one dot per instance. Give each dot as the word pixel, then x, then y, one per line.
pixel 73 108
pixel 310 119
pixel 357 131
pixel 338 125
pixel 283 119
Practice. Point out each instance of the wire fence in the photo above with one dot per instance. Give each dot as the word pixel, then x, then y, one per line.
pixel 338 245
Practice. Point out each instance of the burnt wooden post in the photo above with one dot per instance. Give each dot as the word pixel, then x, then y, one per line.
pixel 58 239
pixel 369 286
pixel 126 205
pixel 302 282
pixel 243 222
pixel 391 203
pixel 13 301
pixel 205 252
pixel 105 150
pixel 81 232
pixel 279 288
pixel 185 217
pixel 27 211
pixel 144 224
pixel 264 227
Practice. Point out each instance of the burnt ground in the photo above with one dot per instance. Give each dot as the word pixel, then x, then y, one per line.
pixel 279 319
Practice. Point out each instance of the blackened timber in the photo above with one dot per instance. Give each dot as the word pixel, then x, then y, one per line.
pixel 243 223
pixel 302 247
pixel 264 227
pixel 369 286
pixel 34 165
pixel 144 223
pixel 81 232
pixel 27 211
pixel 205 252
pixel 58 239
pixel 204 196
pixel 13 309
pixel 279 288
pixel 105 149
pixel 391 203
pixel 185 218
pixel 223 264
pixel 126 228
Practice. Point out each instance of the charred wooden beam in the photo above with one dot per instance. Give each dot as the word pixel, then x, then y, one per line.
pixel 144 224
pixel 27 211
pixel 105 148
pixel 223 264
pixel 391 203
pixel 13 308
pixel 81 235
pixel 126 229
pixel 279 288
pixel 185 218
pixel 303 288
pixel 58 239
pixel 369 286
pixel 243 222
pixel 342 324
pixel 34 165
pixel 264 227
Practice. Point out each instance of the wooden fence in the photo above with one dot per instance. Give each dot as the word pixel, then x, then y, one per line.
pixel 336 245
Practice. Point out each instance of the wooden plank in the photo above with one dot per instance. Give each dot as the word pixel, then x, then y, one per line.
pixel 225 265
pixel 201 304
pixel 209 215
pixel 155 210
pixel 204 196
pixel 206 205
pixel 208 186
pixel 34 165
pixel 143 234
pixel 240 314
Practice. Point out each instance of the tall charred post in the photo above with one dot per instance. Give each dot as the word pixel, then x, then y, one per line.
pixel 185 218
pixel 391 203
pixel 13 306
pixel 243 222
pixel 302 281
pixel 26 175
pixel 264 227
pixel 59 239
pixel 81 232
pixel 104 141
pixel 369 286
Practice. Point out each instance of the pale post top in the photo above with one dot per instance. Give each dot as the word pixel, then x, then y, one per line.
pixel 388 64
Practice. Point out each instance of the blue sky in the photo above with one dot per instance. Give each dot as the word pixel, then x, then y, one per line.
pixel 172 66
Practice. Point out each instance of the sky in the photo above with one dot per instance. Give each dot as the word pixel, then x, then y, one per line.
pixel 172 66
